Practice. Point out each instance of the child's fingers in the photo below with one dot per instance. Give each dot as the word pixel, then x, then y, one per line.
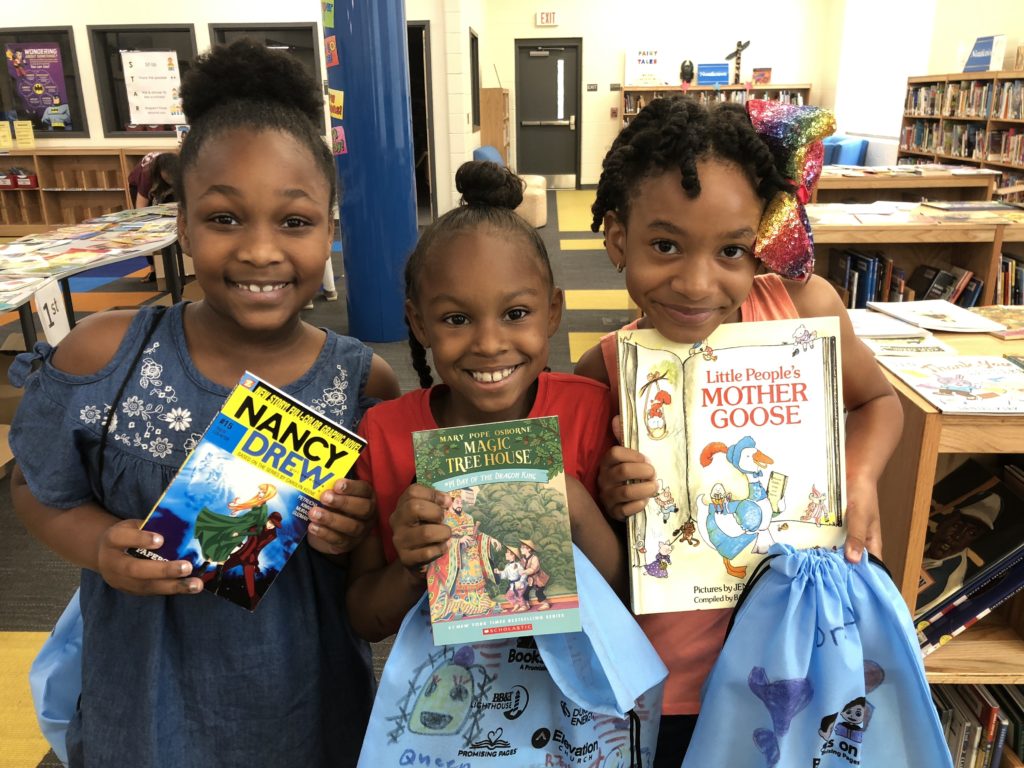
pixel 425 493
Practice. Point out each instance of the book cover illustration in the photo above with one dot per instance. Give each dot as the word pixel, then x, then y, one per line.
pixel 239 505
pixel 878 325
pixel 908 347
pixel 937 315
pixel 1011 317
pixel 975 532
pixel 508 569
pixel 963 383
pixel 745 430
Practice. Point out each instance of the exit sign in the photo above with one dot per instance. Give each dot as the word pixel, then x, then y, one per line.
pixel 547 19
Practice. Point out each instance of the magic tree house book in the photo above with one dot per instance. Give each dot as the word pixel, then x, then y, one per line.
pixel 745 430
pixel 508 569
pixel 239 505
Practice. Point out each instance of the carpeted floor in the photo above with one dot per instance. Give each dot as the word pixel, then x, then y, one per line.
pixel 35 585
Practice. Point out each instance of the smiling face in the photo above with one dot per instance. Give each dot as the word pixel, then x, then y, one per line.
pixel 485 308
pixel 689 262
pixel 257 226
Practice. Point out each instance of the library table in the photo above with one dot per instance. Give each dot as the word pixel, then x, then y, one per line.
pixel 867 184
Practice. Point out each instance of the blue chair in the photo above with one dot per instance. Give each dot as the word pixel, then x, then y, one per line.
pixel 845 150
pixel 489 153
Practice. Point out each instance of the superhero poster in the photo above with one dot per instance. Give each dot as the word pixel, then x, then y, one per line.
pixel 745 431
pixel 239 505
pixel 38 78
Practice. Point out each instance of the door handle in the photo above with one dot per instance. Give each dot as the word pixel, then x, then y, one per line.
pixel 554 122
pixel 530 122
pixel 572 122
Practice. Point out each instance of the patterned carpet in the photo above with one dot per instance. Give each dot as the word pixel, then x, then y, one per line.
pixel 35 585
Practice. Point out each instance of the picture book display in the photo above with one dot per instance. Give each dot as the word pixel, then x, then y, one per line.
pixel 878 325
pixel 975 533
pixel 907 347
pixel 936 315
pixel 1011 317
pixel 745 431
pixel 239 505
pixel 963 383
pixel 508 569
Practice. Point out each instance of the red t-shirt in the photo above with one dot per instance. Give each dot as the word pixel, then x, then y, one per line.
pixel 581 405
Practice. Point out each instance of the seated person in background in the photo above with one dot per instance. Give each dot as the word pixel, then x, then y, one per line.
pixel 152 182
pixel 154 173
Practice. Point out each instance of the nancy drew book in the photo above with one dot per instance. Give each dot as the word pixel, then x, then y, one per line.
pixel 745 430
pixel 239 505
pixel 508 569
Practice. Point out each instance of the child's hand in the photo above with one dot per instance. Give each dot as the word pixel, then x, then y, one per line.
pixel 418 530
pixel 138 576
pixel 863 527
pixel 346 513
pixel 625 482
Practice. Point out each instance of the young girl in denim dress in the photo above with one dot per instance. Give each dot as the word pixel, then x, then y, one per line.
pixel 173 675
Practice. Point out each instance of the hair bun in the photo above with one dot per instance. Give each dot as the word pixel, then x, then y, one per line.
pixel 249 71
pixel 484 183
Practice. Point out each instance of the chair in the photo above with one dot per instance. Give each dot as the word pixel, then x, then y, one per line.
pixel 534 207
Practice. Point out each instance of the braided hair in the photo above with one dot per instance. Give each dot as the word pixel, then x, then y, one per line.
pixel 677 133
pixel 490 195
pixel 247 85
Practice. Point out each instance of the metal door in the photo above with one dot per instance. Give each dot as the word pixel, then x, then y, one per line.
pixel 548 110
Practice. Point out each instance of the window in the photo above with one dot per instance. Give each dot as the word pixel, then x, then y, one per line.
pixel 300 40
pixel 474 77
pixel 40 82
pixel 107 44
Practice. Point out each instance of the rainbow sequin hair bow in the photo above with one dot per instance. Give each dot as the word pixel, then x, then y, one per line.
pixel 784 241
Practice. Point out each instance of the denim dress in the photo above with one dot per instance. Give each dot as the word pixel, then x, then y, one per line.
pixel 193 679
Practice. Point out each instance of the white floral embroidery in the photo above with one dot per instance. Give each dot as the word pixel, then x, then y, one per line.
pixel 166 393
pixel 90 414
pixel 179 419
pixel 134 406
pixel 334 398
pixel 161 447
pixel 150 373
pixel 113 420
pixel 192 441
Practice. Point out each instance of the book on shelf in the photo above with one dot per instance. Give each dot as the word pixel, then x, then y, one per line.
pixel 1011 704
pixel 969 730
pixel 975 534
pixel 511 538
pixel 866 268
pixel 944 708
pixel 745 432
pixel 1010 317
pixel 908 346
pixel 972 609
pixel 878 325
pixel 239 506
pixel 971 293
pixel 962 276
pixel 937 315
pixel 982 705
pixel 963 383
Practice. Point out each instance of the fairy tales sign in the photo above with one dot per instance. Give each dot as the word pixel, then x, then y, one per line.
pixel 745 432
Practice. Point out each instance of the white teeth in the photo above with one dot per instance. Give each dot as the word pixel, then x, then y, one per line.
pixel 254 288
pixel 490 377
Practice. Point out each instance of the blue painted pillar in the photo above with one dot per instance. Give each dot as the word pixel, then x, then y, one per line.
pixel 378 188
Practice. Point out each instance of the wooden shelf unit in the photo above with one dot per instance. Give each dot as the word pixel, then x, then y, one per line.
pixel 974 245
pixel 495 128
pixel 74 184
pixel 903 188
pixel 634 97
pixel 957 118
pixel 992 650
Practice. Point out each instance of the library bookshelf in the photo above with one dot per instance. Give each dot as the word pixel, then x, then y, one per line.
pixel 635 97
pixel 494 120
pixel 992 651
pixel 969 118
pixel 73 185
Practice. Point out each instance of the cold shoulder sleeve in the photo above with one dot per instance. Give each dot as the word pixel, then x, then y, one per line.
pixel 47 442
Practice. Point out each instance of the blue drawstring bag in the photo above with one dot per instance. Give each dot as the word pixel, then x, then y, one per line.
pixel 579 698
pixel 55 678
pixel 820 669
